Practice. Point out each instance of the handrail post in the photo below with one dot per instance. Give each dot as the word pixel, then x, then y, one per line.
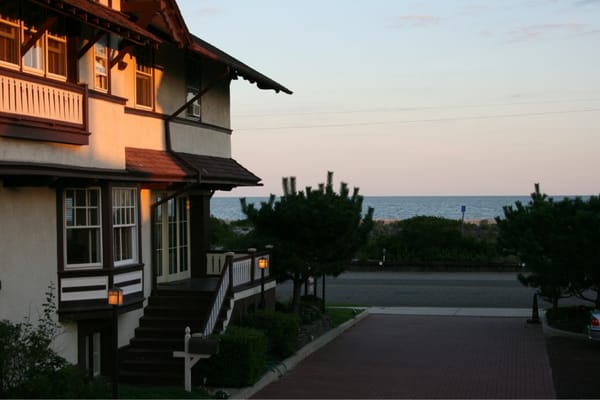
pixel 229 261
pixel 252 251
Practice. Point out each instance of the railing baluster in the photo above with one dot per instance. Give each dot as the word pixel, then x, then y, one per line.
pixel 47 101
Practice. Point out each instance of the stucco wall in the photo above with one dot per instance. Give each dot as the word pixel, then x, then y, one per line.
pixel 28 258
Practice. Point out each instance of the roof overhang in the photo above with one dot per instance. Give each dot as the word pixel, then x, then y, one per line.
pixel 103 18
pixel 238 68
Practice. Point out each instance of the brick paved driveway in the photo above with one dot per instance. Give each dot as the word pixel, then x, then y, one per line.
pixel 399 356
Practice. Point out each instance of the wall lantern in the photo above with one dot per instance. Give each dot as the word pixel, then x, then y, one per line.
pixel 115 296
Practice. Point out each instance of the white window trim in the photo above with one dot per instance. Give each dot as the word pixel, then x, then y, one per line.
pixel 134 237
pixel 97 265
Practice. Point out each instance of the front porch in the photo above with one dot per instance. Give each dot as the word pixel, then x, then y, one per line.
pixel 233 286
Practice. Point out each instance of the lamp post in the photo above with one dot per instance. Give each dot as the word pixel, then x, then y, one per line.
pixel 263 263
pixel 115 299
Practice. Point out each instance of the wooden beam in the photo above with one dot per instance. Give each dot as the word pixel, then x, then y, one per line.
pixel 122 53
pixel 91 43
pixel 40 32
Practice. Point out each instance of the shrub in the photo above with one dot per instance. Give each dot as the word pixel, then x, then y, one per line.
pixel 241 358
pixel 281 330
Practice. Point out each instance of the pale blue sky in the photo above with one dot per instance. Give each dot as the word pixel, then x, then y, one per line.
pixel 415 97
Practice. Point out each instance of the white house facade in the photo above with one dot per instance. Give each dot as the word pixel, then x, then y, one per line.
pixel 114 134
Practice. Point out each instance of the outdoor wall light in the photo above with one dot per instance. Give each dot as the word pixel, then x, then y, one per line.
pixel 115 296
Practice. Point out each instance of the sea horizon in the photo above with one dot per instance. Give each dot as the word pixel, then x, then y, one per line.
pixel 476 208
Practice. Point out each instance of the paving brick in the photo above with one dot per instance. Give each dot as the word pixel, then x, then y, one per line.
pixel 400 356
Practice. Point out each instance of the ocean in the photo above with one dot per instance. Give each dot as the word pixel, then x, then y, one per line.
pixel 398 207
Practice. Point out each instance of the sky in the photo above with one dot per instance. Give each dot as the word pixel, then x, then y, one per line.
pixel 414 97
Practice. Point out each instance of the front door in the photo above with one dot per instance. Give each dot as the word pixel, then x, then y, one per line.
pixel 171 239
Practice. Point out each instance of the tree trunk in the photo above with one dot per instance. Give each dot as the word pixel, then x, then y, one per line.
pixel 297 293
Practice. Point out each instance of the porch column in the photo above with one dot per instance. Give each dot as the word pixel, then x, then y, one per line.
pixel 199 233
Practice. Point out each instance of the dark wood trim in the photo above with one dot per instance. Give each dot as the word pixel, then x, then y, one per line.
pixel 96 94
pixel 30 129
pixel 41 30
pixel 143 113
pixel 107 230
pixel 97 309
pixel 65 85
pixel 86 47
pixel 200 124
pixel 80 273
pixel 60 218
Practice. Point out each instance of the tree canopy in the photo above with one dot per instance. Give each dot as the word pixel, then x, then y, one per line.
pixel 315 232
pixel 558 243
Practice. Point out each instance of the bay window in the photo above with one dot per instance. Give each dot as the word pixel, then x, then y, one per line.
pixel 83 227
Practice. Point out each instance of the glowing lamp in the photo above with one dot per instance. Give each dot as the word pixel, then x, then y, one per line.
pixel 263 263
pixel 115 296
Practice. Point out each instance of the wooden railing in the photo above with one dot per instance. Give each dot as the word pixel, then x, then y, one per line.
pixel 222 288
pixel 235 270
pixel 42 100
pixel 28 100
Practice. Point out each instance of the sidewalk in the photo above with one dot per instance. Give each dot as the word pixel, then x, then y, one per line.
pixel 422 353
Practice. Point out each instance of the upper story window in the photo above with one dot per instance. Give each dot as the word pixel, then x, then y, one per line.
pixel 47 56
pixel 144 93
pixel 9 40
pixel 101 64
pixel 193 82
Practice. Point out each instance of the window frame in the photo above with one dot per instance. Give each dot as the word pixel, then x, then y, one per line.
pixel 125 216
pixel 170 232
pixel 144 72
pixel 104 59
pixel 15 25
pixel 41 47
pixel 98 226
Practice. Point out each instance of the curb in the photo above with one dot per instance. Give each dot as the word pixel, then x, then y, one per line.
pixel 289 363
pixel 550 331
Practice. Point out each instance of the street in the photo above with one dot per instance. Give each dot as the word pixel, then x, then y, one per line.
pixel 424 289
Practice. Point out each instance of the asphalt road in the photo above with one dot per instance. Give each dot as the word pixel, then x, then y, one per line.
pixel 424 289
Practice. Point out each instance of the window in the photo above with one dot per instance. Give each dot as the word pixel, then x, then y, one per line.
pixel 47 56
pixel 101 64
pixel 57 55
pixel 124 212
pixel 9 41
pixel 172 237
pixel 193 81
pixel 143 80
pixel 82 215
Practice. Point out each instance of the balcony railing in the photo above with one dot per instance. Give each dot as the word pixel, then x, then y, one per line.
pixel 57 111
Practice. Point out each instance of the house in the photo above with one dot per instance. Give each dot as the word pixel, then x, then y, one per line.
pixel 114 134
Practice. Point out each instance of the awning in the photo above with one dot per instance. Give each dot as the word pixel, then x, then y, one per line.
pixel 220 171
pixel 206 171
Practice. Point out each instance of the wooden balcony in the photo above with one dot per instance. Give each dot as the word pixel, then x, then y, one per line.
pixel 42 109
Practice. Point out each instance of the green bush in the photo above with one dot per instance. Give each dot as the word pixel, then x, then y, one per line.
pixel 241 358
pixel 426 239
pixel 280 328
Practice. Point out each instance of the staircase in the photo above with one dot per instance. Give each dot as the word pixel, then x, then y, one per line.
pixel 149 357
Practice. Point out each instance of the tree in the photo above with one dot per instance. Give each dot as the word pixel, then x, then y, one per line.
pixel 557 241
pixel 314 231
